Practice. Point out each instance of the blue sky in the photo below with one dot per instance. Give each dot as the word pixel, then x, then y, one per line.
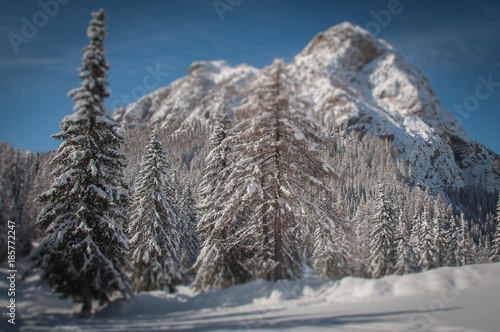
pixel 455 44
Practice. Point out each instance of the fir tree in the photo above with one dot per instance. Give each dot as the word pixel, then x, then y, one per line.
pixel 358 248
pixel 464 248
pixel 427 252
pixel 187 219
pixel 189 240
pixel 176 186
pixel 495 249
pixel 382 246
pixel 217 265
pixel 329 257
pixel 83 253
pixel 216 162
pixel 438 230
pixel 452 238
pixel 415 239
pixel 404 259
pixel 482 250
pixel 155 230
pixel 416 208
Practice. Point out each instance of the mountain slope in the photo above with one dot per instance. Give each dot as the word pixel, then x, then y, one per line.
pixel 351 81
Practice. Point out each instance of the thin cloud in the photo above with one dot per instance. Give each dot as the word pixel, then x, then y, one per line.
pixel 448 43
pixel 23 61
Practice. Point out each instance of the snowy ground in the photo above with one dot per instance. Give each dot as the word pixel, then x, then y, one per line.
pixel 445 299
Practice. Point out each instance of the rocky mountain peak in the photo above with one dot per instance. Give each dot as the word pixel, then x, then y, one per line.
pixel 348 41
pixel 351 81
pixel 203 68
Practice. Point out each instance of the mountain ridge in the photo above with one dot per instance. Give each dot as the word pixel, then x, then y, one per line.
pixel 352 82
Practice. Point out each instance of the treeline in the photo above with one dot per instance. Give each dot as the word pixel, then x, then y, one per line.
pixel 23 176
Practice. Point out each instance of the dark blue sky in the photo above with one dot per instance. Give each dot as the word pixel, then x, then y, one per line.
pixel 455 44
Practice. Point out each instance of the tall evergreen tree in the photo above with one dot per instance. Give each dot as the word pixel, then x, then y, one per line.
pixel 216 162
pixel 464 244
pixel 404 253
pixel 452 238
pixel 495 249
pixel 329 257
pixel 382 255
pixel 187 222
pixel 440 223
pixel 482 251
pixel 176 185
pixel 358 248
pixel 415 240
pixel 426 242
pixel 217 265
pixel 83 253
pixel 189 240
pixel 156 230
pixel 415 212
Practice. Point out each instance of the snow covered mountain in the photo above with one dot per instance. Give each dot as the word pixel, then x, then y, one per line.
pixel 351 81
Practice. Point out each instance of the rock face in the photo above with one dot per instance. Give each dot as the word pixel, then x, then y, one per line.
pixel 351 81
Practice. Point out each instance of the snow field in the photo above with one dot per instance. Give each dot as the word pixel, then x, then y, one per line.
pixel 444 299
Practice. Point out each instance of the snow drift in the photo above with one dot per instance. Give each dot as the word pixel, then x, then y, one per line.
pixel 444 299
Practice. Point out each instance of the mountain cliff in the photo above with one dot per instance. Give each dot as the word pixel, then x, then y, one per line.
pixel 351 81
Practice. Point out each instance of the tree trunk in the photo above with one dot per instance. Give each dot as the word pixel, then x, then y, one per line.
pixel 171 289
pixel 87 298
pixel 278 250
pixel 278 245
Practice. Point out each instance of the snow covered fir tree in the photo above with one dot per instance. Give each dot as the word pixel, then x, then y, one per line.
pixel 241 174
pixel 83 251
pixel 404 256
pixel 189 242
pixel 495 250
pixel 216 265
pixel 382 245
pixel 156 229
